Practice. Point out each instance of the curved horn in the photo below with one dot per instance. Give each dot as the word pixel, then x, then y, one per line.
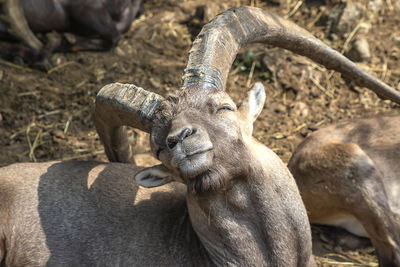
pixel 118 105
pixel 18 24
pixel 218 43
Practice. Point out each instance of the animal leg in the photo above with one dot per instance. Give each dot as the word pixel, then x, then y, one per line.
pixel 19 52
pixel 13 15
pixel 10 51
pixel 371 207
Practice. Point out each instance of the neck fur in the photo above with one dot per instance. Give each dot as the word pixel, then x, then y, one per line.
pixel 254 221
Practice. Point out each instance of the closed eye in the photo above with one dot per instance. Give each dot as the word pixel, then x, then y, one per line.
pixel 225 108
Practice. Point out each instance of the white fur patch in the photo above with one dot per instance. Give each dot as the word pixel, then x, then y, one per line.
pixel 257 99
pixel 153 176
pixel 347 222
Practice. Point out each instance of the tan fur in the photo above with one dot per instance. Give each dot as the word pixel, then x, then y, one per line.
pixel 352 170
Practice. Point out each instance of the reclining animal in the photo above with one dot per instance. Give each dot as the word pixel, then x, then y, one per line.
pixel 235 203
pixel 95 25
pixel 349 176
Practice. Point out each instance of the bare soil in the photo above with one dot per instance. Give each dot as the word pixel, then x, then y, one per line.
pixel 46 116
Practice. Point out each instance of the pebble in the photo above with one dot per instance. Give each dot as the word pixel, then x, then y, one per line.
pixel 360 50
pixel 375 6
pixel 351 15
pixel 343 18
pixel 300 109
pixel 155 83
pixel 119 51
pixel 396 39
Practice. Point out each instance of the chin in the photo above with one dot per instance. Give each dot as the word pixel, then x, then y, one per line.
pixel 214 178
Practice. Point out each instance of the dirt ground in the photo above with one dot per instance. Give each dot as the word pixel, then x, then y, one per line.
pixel 46 116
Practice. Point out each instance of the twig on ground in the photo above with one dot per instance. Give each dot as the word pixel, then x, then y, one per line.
pixel 15 65
pixel 325 91
pixel 61 66
pixel 294 10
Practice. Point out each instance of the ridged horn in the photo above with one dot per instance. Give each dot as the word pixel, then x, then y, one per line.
pixel 18 25
pixel 119 105
pixel 218 43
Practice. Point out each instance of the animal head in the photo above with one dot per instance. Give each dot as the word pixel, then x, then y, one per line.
pixel 201 137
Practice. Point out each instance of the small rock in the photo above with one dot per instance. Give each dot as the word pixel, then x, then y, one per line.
pixel 360 50
pixel 375 6
pixel 351 14
pixel 99 73
pixel 71 38
pixel 396 39
pixel 155 83
pixel 343 17
pixel 120 52
pixel 300 109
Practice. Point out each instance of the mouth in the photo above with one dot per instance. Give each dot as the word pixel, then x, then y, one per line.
pixel 188 153
pixel 200 151
pixel 195 163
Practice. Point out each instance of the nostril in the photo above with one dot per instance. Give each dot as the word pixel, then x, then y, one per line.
pixel 171 142
pixel 185 133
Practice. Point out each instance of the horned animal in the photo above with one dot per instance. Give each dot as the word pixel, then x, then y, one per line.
pixel 91 25
pixel 349 176
pixel 235 203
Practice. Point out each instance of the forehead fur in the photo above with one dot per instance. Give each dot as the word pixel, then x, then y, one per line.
pixel 191 98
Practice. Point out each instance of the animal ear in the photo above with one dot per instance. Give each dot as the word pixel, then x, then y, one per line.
pixel 154 176
pixel 253 104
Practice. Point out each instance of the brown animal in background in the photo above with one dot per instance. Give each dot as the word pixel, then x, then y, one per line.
pixel 92 24
pixel 349 176
pixel 239 204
